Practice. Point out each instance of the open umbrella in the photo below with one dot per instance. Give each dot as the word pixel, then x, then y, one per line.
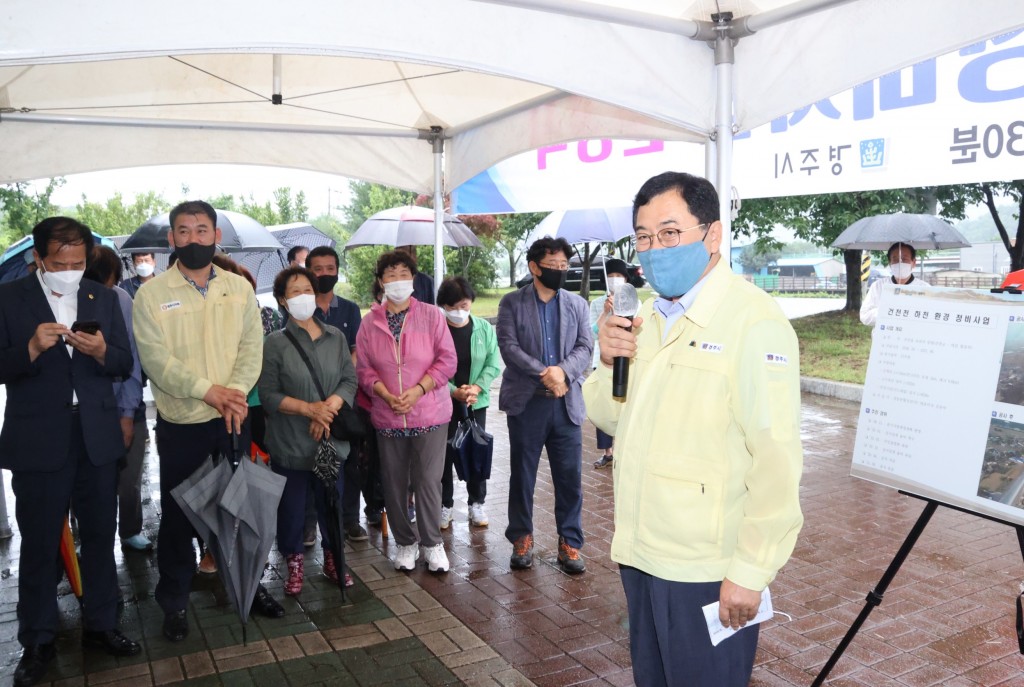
pixel 14 261
pixel 603 225
pixel 923 232
pixel 265 265
pixel 235 512
pixel 411 225
pixel 238 233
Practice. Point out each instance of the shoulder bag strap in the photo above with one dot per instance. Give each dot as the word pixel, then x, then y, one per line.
pixel 309 365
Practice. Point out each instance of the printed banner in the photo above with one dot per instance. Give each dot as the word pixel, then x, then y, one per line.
pixel 954 119
pixel 943 409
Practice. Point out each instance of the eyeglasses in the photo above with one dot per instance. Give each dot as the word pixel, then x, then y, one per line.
pixel 556 266
pixel 666 237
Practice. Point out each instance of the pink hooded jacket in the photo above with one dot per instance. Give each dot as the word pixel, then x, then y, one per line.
pixel 425 347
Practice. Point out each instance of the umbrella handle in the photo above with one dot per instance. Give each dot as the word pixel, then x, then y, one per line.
pixel 234 449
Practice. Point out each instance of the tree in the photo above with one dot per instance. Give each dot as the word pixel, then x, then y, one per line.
pixel 511 236
pixel 22 209
pixel 754 258
pixel 956 199
pixel 820 219
pixel 115 218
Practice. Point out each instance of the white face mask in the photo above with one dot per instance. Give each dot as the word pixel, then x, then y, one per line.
pixel 457 316
pixel 901 270
pixel 398 291
pixel 145 269
pixel 65 283
pixel 614 283
pixel 301 307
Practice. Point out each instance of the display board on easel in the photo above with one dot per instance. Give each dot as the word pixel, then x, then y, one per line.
pixel 943 407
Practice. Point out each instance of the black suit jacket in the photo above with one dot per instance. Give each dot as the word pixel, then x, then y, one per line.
pixel 37 419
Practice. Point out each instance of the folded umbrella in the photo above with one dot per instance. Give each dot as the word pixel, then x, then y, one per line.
pixel 235 512
pixel 472 448
pixel 326 467
pixel 70 558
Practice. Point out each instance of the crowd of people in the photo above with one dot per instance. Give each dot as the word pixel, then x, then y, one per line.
pixel 707 437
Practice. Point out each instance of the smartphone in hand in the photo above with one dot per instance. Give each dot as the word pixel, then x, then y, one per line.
pixel 86 326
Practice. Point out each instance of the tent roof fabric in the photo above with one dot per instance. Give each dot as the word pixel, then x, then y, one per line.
pixel 89 87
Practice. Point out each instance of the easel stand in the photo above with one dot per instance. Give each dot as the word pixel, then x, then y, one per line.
pixel 874 597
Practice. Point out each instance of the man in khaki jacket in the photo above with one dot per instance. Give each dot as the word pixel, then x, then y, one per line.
pixel 708 456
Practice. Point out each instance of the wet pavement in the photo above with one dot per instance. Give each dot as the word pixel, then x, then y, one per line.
pixel 947 619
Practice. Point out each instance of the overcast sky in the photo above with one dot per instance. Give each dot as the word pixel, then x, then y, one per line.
pixel 204 181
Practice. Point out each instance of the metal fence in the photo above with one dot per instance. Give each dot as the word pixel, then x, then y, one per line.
pixel 774 282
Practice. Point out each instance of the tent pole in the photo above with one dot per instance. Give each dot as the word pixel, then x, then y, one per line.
pixel 710 160
pixel 725 58
pixel 437 144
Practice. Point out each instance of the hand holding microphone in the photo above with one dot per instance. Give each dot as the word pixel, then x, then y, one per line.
pixel 625 303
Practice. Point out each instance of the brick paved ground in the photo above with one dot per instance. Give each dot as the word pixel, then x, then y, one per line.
pixel 946 620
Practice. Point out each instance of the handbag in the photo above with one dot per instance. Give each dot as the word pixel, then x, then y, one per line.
pixel 347 425
pixel 472 448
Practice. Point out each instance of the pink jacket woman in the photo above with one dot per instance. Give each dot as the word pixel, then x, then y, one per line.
pixel 425 347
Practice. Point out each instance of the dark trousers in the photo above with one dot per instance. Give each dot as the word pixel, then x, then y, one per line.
pixel 366 457
pixel 350 497
pixel 476 489
pixel 182 449
pixel 291 512
pixel 668 636
pixel 545 424
pixel 41 508
pixel 604 440
pixel 129 484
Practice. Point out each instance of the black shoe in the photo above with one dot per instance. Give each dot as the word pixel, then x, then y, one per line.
pixel 373 518
pixel 264 604
pixel 176 626
pixel 111 641
pixel 356 533
pixel 32 665
pixel 604 462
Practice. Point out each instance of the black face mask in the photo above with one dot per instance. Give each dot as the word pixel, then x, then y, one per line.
pixel 325 283
pixel 552 279
pixel 195 256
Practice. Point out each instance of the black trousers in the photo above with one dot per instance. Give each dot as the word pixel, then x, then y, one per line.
pixel 41 508
pixel 182 449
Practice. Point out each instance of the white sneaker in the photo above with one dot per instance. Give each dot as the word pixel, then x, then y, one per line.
pixel 437 559
pixel 477 515
pixel 405 557
pixel 446 517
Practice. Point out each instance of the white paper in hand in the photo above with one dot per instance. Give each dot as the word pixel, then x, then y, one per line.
pixel 720 632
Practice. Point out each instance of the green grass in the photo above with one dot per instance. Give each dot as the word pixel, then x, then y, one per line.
pixel 833 345
pixel 486 303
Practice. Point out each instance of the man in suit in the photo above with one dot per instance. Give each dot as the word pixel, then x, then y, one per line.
pixel 61 437
pixel 545 340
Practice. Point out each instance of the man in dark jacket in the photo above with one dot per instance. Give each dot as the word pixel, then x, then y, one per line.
pixel 62 343
pixel 546 342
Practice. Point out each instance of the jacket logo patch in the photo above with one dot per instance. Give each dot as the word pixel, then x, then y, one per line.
pixel 164 307
pixel 776 359
pixel 710 347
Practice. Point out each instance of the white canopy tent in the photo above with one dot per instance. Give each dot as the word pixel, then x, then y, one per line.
pixel 425 95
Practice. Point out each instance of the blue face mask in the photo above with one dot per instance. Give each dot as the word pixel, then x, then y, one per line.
pixel 673 271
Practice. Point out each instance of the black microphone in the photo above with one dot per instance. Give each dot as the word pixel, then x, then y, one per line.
pixel 625 303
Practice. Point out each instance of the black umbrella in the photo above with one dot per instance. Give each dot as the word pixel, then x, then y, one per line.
pixel 238 233
pixel 265 265
pixel 325 467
